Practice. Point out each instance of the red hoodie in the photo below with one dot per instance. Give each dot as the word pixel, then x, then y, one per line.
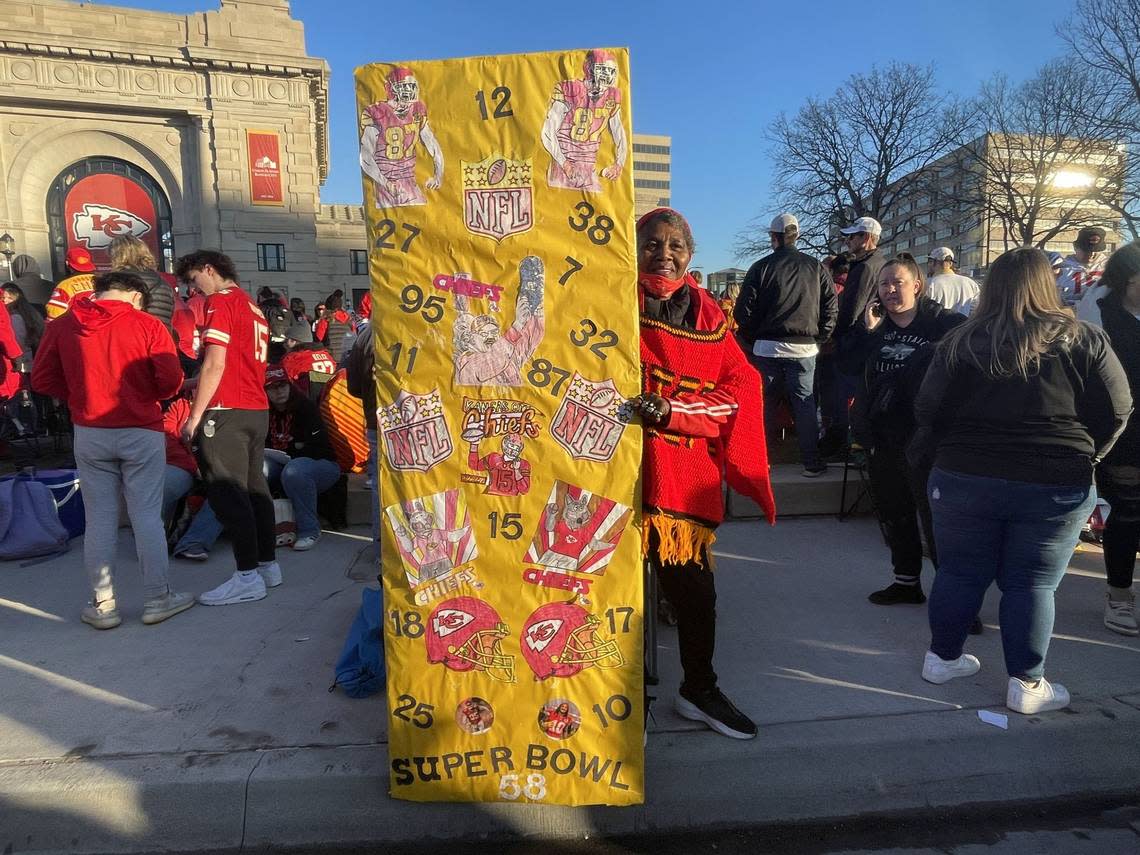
pixel 110 362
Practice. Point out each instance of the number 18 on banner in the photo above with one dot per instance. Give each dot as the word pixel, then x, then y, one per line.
pixel 500 214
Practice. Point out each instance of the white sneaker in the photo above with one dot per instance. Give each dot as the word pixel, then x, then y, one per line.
pixel 937 670
pixel 1120 616
pixel 1028 699
pixel 270 573
pixel 104 615
pixel 236 589
pixel 156 611
pixel 304 543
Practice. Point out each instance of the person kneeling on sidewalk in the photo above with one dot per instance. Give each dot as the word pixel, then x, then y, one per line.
pixel 113 363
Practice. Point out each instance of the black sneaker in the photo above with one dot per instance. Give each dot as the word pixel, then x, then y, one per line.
pixel 814 471
pixel 718 712
pixel 976 627
pixel 897 594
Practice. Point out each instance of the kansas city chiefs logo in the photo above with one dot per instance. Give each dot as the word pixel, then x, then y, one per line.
pixel 449 620
pixel 540 635
pixel 96 225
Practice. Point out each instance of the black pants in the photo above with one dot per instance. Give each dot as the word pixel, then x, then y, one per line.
pixel 899 496
pixel 691 589
pixel 1121 540
pixel 231 463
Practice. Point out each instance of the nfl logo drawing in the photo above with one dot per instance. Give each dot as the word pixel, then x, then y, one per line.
pixel 591 420
pixel 498 196
pixel 415 432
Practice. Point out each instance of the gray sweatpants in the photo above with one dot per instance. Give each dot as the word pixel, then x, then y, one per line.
pixel 127 462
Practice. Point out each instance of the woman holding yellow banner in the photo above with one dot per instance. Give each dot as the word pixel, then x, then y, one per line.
pixel 702 406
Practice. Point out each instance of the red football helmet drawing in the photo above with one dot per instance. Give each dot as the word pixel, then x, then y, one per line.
pixel 560 639
pixel 466 634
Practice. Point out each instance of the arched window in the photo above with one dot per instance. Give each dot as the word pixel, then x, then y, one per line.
pixel 92 201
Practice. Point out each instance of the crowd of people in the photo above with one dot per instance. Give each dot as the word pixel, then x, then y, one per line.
pixel 986 418
pixel 183 393
pixel 982 415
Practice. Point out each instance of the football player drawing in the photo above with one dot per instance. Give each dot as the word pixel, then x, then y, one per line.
pixel 578 115
pixel 428 544
pixel 389 133
pixel 508 474
pixel 484 355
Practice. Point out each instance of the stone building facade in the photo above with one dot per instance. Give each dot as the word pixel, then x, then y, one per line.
pixel 163 101
pixel 116 119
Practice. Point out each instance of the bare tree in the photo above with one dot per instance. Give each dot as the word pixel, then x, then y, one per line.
pixel 1105 35
pixel 855 154
pixel 1039 167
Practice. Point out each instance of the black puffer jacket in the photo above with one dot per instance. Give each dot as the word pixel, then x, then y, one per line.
pixel 1123 330
pixel 161 300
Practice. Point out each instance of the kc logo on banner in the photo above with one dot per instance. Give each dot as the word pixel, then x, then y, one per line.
pixel 500 215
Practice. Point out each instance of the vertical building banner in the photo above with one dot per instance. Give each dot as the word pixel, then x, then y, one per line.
pixel 264 151
pixel 499 199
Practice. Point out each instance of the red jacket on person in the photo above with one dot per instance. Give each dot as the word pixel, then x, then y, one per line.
pixel 110 362
pixel 9 350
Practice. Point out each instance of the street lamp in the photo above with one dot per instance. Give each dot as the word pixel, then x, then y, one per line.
pixel 7 244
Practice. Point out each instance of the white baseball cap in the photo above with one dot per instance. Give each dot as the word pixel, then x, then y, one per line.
pixel 942 253
pixel 868 225
pixel 782 222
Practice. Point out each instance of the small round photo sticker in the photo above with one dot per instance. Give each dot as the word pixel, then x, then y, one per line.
pixel 559 718
pixel 474 715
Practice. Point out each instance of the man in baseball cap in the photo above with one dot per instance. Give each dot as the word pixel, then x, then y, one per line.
pixel 80 284
pixel 786 309
pixel 951 290
pixel 866 259
pixel 1082 269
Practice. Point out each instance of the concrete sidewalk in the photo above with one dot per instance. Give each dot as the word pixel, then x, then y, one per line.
pixel 215 731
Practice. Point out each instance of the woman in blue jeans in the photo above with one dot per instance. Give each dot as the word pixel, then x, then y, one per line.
pixel 298 460
pixel 1019 404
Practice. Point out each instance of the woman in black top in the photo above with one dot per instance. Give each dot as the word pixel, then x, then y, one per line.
pixel 889 350
pixel 1118 475
pixel 1018 405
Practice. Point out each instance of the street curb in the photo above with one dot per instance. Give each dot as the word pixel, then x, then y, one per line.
pixel 797 772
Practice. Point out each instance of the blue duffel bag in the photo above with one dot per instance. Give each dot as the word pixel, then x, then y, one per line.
pixel 29 526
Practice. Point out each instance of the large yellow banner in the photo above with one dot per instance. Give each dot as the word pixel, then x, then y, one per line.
pixel 499 199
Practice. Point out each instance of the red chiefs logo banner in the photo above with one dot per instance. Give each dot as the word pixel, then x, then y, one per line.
pixel 264 168
pixel 101 207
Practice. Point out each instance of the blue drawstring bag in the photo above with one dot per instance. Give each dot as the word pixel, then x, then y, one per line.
pixel 360 667
pixel 29 525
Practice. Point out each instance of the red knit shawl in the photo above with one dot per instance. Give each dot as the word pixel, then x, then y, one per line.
pixel 683 475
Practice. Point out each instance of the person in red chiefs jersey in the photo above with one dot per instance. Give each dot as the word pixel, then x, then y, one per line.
pixel 390 130
pixel 79 284
pixel 228 420
pixel 304 355
pixel 112 363
pixel 579 113
pixel 508 474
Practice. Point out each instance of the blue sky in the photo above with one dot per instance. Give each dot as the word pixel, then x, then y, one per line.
pixel 712 75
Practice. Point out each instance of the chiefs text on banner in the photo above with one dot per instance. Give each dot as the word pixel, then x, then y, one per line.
pixel 499 198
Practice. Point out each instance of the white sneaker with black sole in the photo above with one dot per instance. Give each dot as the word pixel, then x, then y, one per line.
pixel 718 712
pixel 937 670
pixel 240 588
